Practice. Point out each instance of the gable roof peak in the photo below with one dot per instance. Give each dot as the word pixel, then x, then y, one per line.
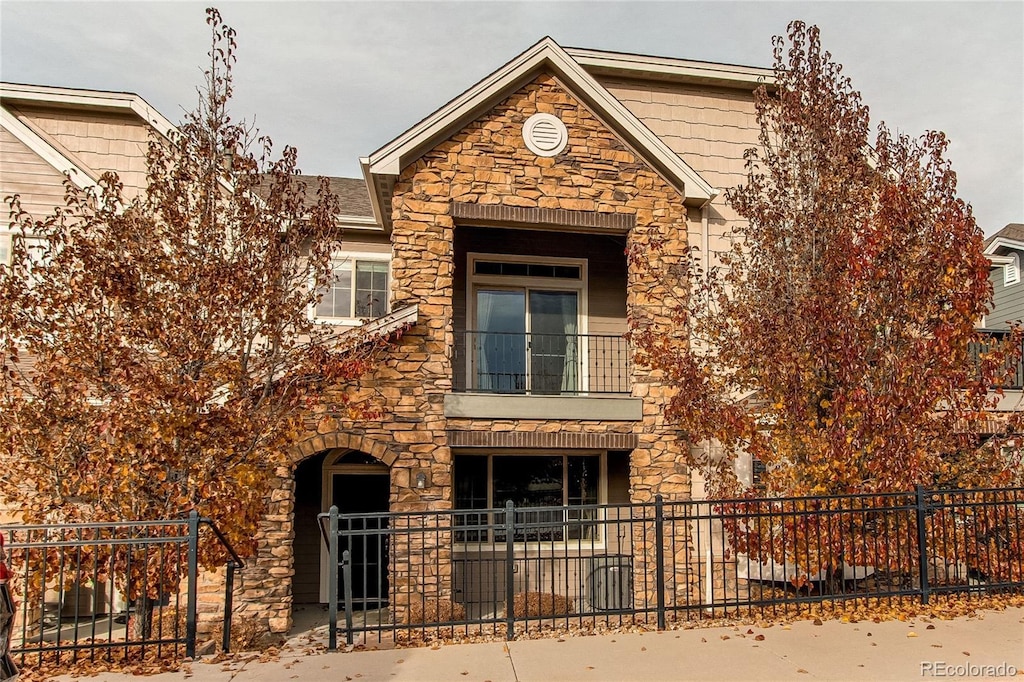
pixel 1011 236
pixel 546 54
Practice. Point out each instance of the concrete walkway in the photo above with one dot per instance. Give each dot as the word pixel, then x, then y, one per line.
pixel 988 646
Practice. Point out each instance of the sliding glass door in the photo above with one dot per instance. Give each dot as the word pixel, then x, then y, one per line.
pixel 527 341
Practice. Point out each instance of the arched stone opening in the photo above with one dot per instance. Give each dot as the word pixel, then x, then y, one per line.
pixel 355 482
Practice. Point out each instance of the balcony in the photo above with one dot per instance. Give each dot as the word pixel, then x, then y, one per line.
pixel 1015 381
pixel 542 376
pixel 541 364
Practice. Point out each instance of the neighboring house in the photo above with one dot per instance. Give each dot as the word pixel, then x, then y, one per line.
pixel 46 132
pixel 1006 250
pixel 497 226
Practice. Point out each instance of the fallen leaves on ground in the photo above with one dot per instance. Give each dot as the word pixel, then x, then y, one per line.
pixel 877 610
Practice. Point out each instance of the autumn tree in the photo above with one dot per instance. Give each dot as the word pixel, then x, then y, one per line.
pixel 836 341
pixel 158 353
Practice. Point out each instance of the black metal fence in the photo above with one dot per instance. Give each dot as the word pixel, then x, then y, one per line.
pixel 92 590
pixel 503 571
pixel 540 364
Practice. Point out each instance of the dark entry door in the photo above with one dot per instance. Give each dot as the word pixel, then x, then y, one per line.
pixel 364 537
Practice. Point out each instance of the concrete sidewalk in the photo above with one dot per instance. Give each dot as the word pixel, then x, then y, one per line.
pixel 988 646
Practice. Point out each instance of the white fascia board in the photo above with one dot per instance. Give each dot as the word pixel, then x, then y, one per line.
pixel 359 222
pixel 45 151
pixel 391 158
pixel 364 166
pixel 124 101
pixel 677 69
pixel 382 326
pixel 1000 261
pixel 1003 242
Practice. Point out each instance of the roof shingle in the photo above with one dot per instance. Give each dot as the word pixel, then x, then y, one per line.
pixel 1014 231
pixel 352 193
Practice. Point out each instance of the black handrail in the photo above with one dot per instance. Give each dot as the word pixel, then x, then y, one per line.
pixel 996 336
pixel 540 364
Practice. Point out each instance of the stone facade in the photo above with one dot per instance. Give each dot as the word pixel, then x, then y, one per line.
pixel 487 163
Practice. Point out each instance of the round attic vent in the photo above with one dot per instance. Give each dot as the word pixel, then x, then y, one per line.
pixel 545 135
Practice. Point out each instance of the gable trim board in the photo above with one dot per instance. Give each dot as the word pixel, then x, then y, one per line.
pixel 624 64
pixel 1003 242
pixel 88 99
pixel 385 164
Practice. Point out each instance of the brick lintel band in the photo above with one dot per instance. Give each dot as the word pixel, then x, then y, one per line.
pixel 556 217
pixel 546 440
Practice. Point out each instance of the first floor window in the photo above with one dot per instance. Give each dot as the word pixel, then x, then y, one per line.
pixel 358 289
pixel 546 490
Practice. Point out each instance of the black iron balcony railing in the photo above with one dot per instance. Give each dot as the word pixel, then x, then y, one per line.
pixel 996 336
pixel 540 364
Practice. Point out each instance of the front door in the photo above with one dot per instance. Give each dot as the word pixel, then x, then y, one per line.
pixel 364 536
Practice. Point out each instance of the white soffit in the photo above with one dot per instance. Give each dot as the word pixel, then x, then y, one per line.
pixel 544 55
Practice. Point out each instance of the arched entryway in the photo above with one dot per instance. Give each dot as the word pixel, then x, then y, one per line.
pixel 357 483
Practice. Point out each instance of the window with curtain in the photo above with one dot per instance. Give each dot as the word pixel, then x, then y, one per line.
pixel 526 319
pixel 559 483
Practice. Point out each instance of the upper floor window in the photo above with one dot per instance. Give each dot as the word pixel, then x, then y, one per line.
pixel 35 246
pixel 358 289
pixel 1011 271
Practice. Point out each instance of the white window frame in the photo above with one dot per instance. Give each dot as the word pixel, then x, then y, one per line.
pixel 353 257
pixel 526 283
pixel 598 542
pixel 7 247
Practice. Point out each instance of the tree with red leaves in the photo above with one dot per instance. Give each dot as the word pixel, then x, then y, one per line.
pixel 834 341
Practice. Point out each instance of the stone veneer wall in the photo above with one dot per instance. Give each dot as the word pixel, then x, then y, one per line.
pixel 486 163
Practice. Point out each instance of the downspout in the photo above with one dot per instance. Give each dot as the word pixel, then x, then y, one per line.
pixel 705 248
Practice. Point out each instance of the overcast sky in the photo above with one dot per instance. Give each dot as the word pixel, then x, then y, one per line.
pixel 340 79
